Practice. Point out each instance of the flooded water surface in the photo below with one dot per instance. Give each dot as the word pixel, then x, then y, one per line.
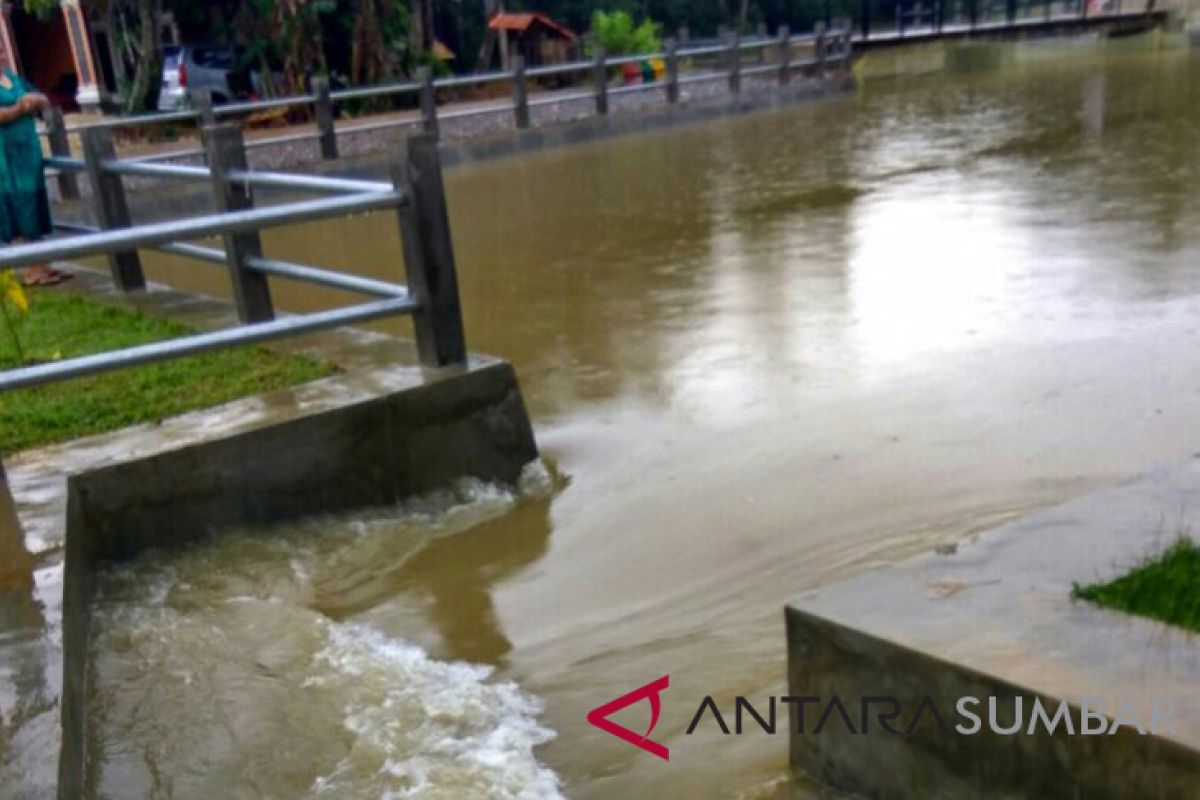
pixel 761 354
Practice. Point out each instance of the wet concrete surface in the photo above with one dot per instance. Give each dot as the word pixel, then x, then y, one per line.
pixel 993 617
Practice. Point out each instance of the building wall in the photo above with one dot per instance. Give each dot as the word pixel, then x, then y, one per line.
pixel 45 55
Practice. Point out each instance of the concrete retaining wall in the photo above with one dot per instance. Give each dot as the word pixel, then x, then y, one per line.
pixel 994 617
pixel 374 452
pixel 150 202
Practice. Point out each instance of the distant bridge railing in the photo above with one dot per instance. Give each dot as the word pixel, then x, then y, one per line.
pixel 725 60
pixel 897 19
pixel 416 193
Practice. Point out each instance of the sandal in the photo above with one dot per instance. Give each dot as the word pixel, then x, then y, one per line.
pixel 46 276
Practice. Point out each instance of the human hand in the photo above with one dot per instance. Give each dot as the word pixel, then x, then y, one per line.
pixel 33 102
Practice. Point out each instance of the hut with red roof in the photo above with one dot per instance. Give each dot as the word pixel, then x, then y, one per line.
pixel 533 35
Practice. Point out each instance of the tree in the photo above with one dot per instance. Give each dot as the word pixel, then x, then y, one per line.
pixel 618 35
pixel 148 57
pixel 378 41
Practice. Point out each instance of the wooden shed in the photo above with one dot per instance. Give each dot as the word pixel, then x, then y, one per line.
pixel 533 35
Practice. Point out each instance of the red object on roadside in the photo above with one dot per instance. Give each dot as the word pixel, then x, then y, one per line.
pixel 182 72
pixel 631 74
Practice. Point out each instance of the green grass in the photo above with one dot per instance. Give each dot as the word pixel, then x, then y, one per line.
pixel 62 325
pixel 1166 588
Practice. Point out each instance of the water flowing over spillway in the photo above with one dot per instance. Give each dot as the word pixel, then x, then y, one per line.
pixel 223 676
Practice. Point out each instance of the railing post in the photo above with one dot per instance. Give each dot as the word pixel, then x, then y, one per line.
pixel 60 145
pixel 785 55
pixel 428 97
pixel 600 79
pixel 429 253
pixel 111 207
pixel 735 62
pixel 520 94
pixel 202 102
pixel 323 113
pixel 251 290
pixel 820 44
pixel 760 32
pixel 672 71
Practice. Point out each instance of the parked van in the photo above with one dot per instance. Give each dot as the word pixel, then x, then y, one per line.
pixel 193 67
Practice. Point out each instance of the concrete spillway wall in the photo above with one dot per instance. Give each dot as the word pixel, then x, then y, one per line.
pixel 369 453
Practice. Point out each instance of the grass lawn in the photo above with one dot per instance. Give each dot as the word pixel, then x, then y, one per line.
pixel 62 325
pixel 1166 589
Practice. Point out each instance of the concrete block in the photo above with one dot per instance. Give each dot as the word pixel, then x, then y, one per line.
pixel 994 617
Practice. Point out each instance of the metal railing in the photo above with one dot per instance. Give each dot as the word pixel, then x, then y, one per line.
pixel 416 193
pixel 923 18
pixel 725 60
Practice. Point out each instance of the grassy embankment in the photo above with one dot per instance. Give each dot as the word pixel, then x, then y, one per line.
pixel 63 325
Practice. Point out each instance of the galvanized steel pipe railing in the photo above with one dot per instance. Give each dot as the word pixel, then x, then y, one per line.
pixel 417 195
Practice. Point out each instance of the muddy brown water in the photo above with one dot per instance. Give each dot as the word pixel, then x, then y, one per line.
pixel 761 354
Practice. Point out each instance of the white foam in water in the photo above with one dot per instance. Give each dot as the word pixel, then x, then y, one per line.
pixel 463 735
pixel 217 677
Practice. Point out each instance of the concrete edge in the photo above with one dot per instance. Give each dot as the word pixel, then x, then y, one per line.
pixel 826 658
pixel 370 453
pixel 611 126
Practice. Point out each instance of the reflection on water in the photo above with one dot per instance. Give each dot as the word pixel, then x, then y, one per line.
pixel 770 352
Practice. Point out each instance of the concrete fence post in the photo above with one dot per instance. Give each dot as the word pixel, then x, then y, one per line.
pixel 251 290
pixel 760 31
pixel 672 71
pixel 735 62
pixel 60 145
pixel 820 45
pixel 428 97
pixel 600 79
pixel 785 55
pixel 202 102
pixel 429 253
pixel 323 113
pixel 520 94
pixel 111 207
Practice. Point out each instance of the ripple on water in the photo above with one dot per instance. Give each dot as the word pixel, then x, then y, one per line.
pixel 218 677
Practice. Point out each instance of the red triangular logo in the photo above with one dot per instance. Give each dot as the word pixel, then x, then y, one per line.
pixel 600 717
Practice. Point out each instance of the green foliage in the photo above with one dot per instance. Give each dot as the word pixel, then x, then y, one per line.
pixel 40 8
pixel 616 32
pixel 61 325
pixel 1166 589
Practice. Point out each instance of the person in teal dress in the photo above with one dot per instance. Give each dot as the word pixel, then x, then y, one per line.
pixel 24 204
